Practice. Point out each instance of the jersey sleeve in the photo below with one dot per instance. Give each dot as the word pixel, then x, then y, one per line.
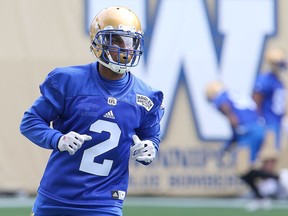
pixel 150 127
pixel 220 100
pixel 262 84
pixel 35 124
pixel 53 90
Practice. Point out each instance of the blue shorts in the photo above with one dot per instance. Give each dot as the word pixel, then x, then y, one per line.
pixel 252 139
pixel 44 206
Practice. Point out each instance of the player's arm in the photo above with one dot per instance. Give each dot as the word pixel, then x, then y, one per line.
pixel 146 144
pixel 227 111
pixel 147 139
pixel 259 91
pixel 234 122
pixel 35 124
pixel 258 97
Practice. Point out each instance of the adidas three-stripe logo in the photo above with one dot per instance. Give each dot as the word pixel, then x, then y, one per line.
pixel 109 115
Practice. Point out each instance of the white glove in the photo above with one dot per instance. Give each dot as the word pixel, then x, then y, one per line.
pixel 72 141
pixel 143 150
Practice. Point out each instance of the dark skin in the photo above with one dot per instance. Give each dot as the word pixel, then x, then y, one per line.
pixel 109 74
pixel 226 110
pixel 106 72
pixel 258 98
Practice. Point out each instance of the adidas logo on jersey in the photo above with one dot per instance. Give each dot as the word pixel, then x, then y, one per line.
pixel 118 195
pixel 109 115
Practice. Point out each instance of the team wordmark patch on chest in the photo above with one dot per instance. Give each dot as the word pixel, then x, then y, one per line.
pixel 144 101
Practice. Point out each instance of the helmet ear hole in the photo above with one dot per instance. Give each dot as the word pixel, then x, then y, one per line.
pixel 97 51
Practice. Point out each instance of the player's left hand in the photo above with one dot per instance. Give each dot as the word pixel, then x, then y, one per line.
pixel 143 150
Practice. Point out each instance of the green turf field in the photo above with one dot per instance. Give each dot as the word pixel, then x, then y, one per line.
pixel 169 211
pixel 166 207
pixel 177 211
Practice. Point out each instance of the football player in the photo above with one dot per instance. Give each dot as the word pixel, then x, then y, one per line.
pixel 269 92
pixel 248 132
pixel 98 111
pixel 247 126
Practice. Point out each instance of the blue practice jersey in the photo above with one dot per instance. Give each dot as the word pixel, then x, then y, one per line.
pixel 243 107
pixel 76 99
pixel 273 106
pixel 250 131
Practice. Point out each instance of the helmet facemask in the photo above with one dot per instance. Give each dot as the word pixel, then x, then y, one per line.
pixel 118 49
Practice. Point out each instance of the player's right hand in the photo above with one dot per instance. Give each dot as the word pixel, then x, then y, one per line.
pixel 143 150
pixel 72 141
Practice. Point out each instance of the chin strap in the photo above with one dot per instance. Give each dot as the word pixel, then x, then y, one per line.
pixel 114 67
pixel 118 69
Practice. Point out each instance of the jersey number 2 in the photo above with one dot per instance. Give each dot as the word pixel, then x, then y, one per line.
pixel 101 169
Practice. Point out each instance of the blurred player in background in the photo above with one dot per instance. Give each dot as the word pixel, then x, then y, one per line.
pixel 270 97
pixel 248 133
pixel 269 92
pixel 97 112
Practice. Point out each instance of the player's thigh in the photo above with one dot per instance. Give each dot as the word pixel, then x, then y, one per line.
pixel 112 213
pixel 96 214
